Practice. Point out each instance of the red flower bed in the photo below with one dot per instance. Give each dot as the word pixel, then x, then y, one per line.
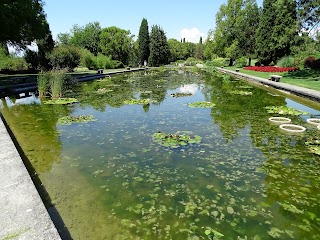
pixel 270 69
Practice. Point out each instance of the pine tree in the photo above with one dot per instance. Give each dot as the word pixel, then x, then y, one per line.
pixel 264 40
pixel 159 50
pixel 144 41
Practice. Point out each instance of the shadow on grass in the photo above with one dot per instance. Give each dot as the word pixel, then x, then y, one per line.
pixel 305 74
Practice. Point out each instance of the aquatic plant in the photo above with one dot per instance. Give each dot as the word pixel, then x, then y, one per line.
pixel 285 110
pixel 103 90
pixel 68 120
pixel 179 139
pixel 43 83
pixel 56 83
pixel 201 105
pixel 178 94
pixel 313 144
pixel 137 101
pixel 240 92
pixel 61 101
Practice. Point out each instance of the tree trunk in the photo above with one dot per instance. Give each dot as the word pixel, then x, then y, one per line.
pixel 249 62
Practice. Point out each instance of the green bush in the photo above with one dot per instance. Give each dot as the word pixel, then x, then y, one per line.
pixel 12 63
pixel 286 61
pixel 218 62
pixel 241 62
pixel 88 59
pixel 43 83
pixel 65 57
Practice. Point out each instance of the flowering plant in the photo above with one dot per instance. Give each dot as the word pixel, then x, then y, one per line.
pixel 270 69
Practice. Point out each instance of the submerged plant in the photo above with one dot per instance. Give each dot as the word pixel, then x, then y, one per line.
pixel 61 101
pixel 68 120
pixel 179 139
pixel 285 110
pixel 201 105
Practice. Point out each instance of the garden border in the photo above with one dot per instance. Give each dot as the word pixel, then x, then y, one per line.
pixel 299 91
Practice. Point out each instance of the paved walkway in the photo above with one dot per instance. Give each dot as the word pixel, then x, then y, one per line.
pixel 23 215
pixel 300 91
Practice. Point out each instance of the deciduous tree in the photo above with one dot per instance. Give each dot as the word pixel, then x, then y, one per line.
pixel 22 21
pixel 116 42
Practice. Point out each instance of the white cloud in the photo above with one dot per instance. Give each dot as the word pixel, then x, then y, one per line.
pixel 192 35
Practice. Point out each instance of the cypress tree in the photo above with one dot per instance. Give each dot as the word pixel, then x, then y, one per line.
pixel 264 39
pixel 159 50
pixel 144 41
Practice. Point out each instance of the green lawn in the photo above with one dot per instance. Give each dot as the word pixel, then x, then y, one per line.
pixel 303 78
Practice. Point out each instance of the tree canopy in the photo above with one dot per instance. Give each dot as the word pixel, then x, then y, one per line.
pixel 116 42
pixel 85 37
pixel 22 21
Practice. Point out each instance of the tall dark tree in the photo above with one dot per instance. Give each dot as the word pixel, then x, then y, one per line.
pixel 22 21
pixel 159 50
pixel 277 30
pixel 45 46
pixel 247 23
pixel 285 28
pixel 264 39
pixel 144 41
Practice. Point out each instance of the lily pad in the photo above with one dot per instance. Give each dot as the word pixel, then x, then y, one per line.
pixel 68 120
pixel 103 90
pixel 138 101
pixel 201 105
pixel 176 140
pixel 178 94
pixel 240 92
pixel 313 144
pixel 61 101
pixel 285 110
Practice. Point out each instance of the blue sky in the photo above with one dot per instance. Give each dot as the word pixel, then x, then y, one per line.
pixel 190 19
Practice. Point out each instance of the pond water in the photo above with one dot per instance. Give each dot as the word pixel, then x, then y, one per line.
pixel 110 179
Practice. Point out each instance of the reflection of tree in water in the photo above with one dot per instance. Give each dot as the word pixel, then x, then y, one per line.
pixel 34 127
pixel 291 180
pixel 234 112
pixel 152 85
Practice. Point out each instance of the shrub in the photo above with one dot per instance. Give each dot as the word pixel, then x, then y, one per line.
pixel 218 62
pixel 312 62
pixel 65 57
pixel 88 59
pixel 191 61
pixel 286 61
pixel 241 62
